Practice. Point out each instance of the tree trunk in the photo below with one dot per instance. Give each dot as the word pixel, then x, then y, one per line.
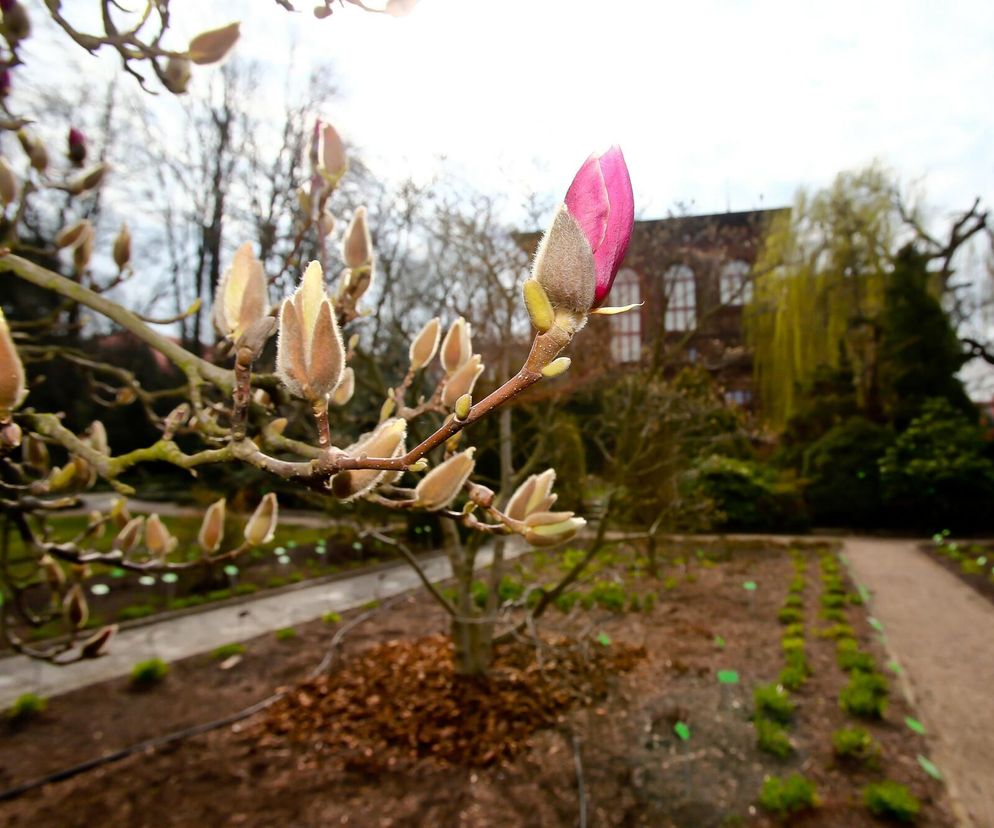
pixel 472 632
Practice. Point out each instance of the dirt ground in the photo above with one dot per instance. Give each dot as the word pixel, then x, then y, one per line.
pixel 635 771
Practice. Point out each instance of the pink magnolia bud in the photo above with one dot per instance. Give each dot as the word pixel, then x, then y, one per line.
pixel 462 381
pixel 74 607
pixel 12 383
pixel 77 147
pixel 425 344
pixel 261 527
pixel 457 347
pixel 357 246
pixel 328 156
pixel 9 187
pixel 5 83
pixel 92 647
pixel 158 538
pixel 534 495
pixel 212 528
pixel 443 483
pixel 212 46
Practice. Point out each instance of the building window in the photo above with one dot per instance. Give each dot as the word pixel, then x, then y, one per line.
pixel 626 328
pixel 681 299
pixel 735 284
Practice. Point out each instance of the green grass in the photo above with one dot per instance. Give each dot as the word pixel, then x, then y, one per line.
pixel 788 796
pixel 772 738
pixel 27 706
pixel 285 634
pixel 772 702
pixel 149 673
pixel 891 800
pixel 229 650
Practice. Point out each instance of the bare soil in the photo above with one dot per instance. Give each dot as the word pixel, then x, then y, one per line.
pixel 612 725
pixel 981 578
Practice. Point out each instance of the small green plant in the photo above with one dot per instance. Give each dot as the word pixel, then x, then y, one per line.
pixel 851 658
pixel 565 601
pixel 772 738
pixel 370 605
pixel 797 585
pixel 229 650
pixel 510 589
pixel 246 589
pixel 792 678
pixel 772 702
pixel 609 595
pixel 794 600
pixel 837 631
pixel 27 706
pixel 835 615
pixel 891 800
pixel 148 673
pixel 832 600
pixel 648 601
pixel 135 611
pixel 788 796
pixel 276 582
pixel 332 618
pixel 791 644
pixel 855 599
pixel 854 744
pixel 794 630
pixel 285 634
pixel 479 592
pixel 789 615
pixel 865 695
pixel 670 583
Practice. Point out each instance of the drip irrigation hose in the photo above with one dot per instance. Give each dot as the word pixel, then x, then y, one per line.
pixel 179 735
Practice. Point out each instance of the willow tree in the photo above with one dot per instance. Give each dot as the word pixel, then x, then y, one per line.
pixel 819 286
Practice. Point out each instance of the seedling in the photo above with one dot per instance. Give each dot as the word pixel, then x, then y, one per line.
pixel 719 642
pixel 148 673
pixel 728 677
pixel 682 731
pixel 855 744
pixel 773 702
pixel 27 706
pixel 792 678
pixel 789 615
pixel 228 650
pixel 331 618
pixel 285 634
pixel 865 695
pixel 604 639
pixel 873 622
pixel 891 800
pixel 772 738
pixel 788 796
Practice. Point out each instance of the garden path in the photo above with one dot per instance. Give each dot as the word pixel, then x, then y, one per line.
pixel 940 632
pixel 204 631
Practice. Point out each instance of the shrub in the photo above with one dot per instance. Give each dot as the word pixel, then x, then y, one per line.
pixel 797 660
pixel 855 599
pixel 246 589
pixel 834 614
pixel 149 673
pixel 670 583
pixel 772 738
pixel 772 702
pixel 285 634
pixel 832 600
pixel 891 800
pixel 790 615
pixel 865 695
pixel 788 796
pixel 229 650
pixel 27 706
pixel 797 585
pixel 854 743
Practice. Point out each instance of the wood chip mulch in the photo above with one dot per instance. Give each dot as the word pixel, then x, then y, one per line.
pixel 401 701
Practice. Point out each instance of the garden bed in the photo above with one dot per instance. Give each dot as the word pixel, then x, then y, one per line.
pixel 380 740
pixel 972 563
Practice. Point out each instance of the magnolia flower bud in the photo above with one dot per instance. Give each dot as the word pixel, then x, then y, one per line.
pixel 310 357
pixel 564 267
pixel 122 247
pixel 388 407
pixel 261 398
pixel 457 347
pixel 346 388
pixel 442 484
pixel 4 83
pixel 386 440
pixel 96 437
pixel 61 478
pixel 212 528
pixel 88 179
pixel 462 381
pixel 16 23
pixel 241 298
pixel 95 643
pixel 261 527
pixel 9 188
pixel 425 344
pixel 73 234
pixel 83 252
pixel 76 147
pixel 158 538
pixel 119 512
pixel 34 149
pixel 357 246
pixel 328 156
pixel 212 46
pixel 12 382
pixel 34 453
pixel 10 436
pixel 74 607
pixel 552 528
pixel 96 525
pixel 176 75
pixel 53 572
pixel 326 223
pixel 129 536
pixel 534 495
pixel 175 420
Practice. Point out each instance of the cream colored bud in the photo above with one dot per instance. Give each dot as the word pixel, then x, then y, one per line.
pixel 175 420
pixel 564 266
pixel 331 157
pixel 53 572
pixel 212 46
pixel 418 466
pixel 61 478
pixel 425 344
pixel 357 246
pixel 261 398
pixel 86 474
pixel 241 299
pixel 74 607
pixel 388 408
pixel 212 528
pixel 538 305
pixel 130 535
pixel 386 440
pixel 558 366
pixel 35 149
pixel 326 223
pixel 91 648
pixel 34 453
pixel 158 539
pixel 346 388
pixel 278 426
pixel 534 495
pixel 310 357
pixel 83 252
pixel 176 75
pixel 442 484
pixel 13 389
pixel 73 234
pixel 119 512
pixel 553 534
pixel 463 406
pixel 261 527
pixel 96 436
pixel 88 179
pixel 96 526
pixel 9 187
pixel 457 347
pixel 122 247
pixel 16 22
pixel 462 381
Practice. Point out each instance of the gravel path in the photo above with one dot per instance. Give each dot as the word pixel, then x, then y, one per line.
pixel 940 630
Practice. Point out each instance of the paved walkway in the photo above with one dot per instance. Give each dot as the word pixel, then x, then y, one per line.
pixel 941 632
pixel 203 632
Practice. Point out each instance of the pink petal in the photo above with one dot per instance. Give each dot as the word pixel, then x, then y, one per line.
pixel 588 202
pixel 621 220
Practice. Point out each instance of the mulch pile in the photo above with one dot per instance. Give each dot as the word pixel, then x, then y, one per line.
pixel 401 701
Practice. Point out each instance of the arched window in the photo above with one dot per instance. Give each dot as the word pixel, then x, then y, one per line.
pixel 626 328
pixel 735 284
pixel 681 299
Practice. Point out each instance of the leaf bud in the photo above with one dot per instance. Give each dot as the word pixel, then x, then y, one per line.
pixel 556 367
pixel 463 406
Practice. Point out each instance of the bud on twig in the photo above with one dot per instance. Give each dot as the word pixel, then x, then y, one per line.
pixel 346 388
pixel 463 406
pixel 425 344
pixel 12 382
pixel 357 246
pixel 76 147
pixel 534 495
pixel 34 453
pixel 558 366
pixel 212 528
pixel 34 148
pixel 53 573
pixel 73 234
pixel 461 382
pixel 16 23
pixel 88 179
pixel 176 75
pixel 457 347
pixel 328 156
pixel 91 648
pixel 9 188
pixel 122 247
pixel 261 527
pixel 241 298
pixel 552 528
pixel 158 539
pixel 212 46
pixel 129 536
pixel 74 607
pixel 96 437
pixel 442 484
pixel 386 440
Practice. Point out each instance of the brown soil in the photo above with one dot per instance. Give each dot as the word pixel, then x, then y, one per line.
pixel 635 770
pixel 982 582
